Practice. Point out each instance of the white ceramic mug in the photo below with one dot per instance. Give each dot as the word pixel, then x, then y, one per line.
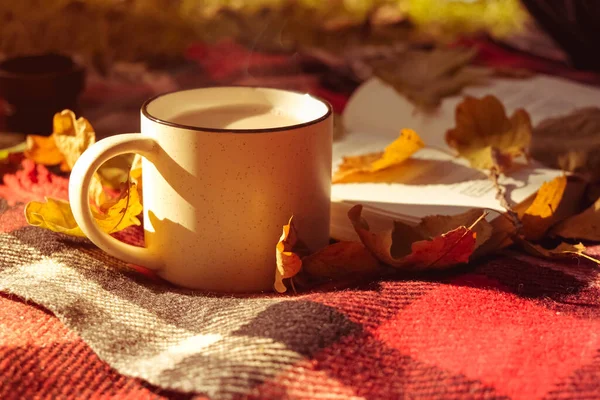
pixel 224 168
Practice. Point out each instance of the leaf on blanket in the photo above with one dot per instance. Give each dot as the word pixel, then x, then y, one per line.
pixel 357 168
pixel 71 136
pixel 340 260
pixel 426 77
pixel 570 142
pixel 42 150
pixel 289 262
pixel 56 215
pixel 485 136
pixel 32 182
pixel 438 242
pixel 584 226
pixel 563 250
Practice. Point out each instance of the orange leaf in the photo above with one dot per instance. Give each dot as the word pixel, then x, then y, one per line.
pixel 340 260
pixel 288 262
pixel 43 150
pixel 437 242
pixel 552 203
pixel 356 168
pixel 484 134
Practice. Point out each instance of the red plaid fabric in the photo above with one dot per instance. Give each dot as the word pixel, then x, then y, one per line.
pixel 509 327
pixel 512 327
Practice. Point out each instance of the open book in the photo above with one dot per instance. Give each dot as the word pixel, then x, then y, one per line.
pixel 435 181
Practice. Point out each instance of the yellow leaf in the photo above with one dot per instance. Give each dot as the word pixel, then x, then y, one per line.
pixel 135 172
pixel 356 168
pixel 340 260
pixel 484 134
pixel 72 136
pixel 540 216
pixel 56 215
pixel 288 262
pixel 43 150
pixel 584 226
pixel 437 242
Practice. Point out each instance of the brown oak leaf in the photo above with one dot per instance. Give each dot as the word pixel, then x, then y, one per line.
pixel 485 136
pixel 426 77
pixel 570 142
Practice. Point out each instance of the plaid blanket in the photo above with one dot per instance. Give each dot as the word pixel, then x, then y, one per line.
pixel 76 323
pixel 511 327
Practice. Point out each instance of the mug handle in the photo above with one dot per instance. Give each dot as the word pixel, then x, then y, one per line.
pixel 81 176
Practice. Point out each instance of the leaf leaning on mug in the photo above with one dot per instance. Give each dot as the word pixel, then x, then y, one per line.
pixel 56 215
pixel 289 262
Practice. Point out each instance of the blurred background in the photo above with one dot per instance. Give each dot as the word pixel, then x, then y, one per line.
pixel 124 51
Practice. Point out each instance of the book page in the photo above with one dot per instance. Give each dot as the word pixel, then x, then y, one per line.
pixel 377 109
pixel 433 181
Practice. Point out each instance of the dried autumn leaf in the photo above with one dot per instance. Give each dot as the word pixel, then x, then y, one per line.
pixel 135 172
pixel 341 260
pixel 484 134
pixel 426 77
pixel 561 251
pixel 584 226
pixel 437 242
pixel 43 150
pixel 544 211
pixel 72 136
pixel 356 168
pixel 56 215
pixel 570 142
pixel 288 262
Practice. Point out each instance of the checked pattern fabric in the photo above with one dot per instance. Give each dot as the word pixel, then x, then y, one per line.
pixel 512 327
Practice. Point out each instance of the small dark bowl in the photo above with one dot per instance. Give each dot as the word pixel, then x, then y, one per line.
pixel 36 87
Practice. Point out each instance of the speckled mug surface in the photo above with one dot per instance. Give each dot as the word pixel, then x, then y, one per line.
pixel 216 195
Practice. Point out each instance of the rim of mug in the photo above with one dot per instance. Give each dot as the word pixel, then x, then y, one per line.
pixel 226 130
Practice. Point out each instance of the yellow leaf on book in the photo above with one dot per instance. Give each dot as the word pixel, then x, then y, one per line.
pixel 56 215
pixel 356 168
